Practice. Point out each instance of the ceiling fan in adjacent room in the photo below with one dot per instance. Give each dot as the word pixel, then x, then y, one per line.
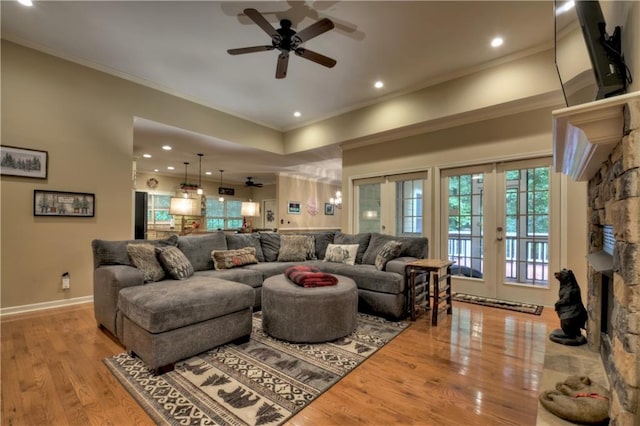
pixel 285 39
pixel 250 183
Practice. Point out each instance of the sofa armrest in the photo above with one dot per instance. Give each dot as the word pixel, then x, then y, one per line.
pixel 398 264
pixel 107 283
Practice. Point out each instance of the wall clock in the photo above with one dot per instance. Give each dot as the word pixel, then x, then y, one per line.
pixel 152 183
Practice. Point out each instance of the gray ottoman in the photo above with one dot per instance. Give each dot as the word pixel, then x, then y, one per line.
pixel 310 315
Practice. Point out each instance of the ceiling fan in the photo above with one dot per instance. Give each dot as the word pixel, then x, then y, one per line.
pixel 285 39
pixel 249 182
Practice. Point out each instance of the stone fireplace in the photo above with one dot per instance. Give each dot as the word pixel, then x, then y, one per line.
pixel 600 142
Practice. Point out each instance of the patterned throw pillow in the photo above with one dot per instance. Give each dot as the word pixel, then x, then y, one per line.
pixel 341 253
pixel 227 259
pixel 174 261
pixel 390 250
pixel 296 248
pixel 143 257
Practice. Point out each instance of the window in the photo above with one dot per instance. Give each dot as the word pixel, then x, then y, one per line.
pixel 223 215
pixel 158 209
pixel 409 207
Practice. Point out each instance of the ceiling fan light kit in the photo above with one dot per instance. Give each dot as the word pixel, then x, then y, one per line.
pixel 286 40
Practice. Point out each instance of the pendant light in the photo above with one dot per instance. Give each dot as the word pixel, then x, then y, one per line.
pixel 200 191
pixel 185 194
pixel 220 198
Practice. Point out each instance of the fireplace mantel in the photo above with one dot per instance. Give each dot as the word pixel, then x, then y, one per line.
pixel 584 135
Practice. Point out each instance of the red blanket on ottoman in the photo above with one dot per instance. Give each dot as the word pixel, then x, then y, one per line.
pixel 309 276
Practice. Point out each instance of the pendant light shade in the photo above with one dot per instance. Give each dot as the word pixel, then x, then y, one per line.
pixel 200 191
pixel 221 198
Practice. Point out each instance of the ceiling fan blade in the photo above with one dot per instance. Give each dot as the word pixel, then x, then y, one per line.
pixel 313 30
pixel 261 21
pixel 283 62
pixel 315 57
pixel 252 49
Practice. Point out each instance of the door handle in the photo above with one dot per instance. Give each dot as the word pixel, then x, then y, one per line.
pixel 499 237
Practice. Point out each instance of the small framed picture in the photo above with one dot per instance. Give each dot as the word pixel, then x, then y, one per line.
pixel 69 204
pixel 23 162
pixel 293 207
pixel 328 209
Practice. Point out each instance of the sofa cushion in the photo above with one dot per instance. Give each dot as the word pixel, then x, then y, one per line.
pixel 368 277
pixel 361 239
pixel 411 247
pixel 143 257
pixel 341 253
pixel 238 241
pixel 115 252
pixel 390 250
pixel 322 240
pixel 239 275
pixel 174 262
pixel 296 248
pixel 198 248
pixel 226 259
pixel 270 243
pixel 167 305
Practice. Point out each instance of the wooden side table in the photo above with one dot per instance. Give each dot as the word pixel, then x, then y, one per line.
pixel 419 293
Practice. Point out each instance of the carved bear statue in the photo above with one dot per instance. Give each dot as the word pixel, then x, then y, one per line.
pixel 572 313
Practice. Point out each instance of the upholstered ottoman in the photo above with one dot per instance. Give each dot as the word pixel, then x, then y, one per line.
pixel 310 315
pixel 167 321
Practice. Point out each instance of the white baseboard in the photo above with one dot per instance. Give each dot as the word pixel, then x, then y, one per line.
pixel 45 305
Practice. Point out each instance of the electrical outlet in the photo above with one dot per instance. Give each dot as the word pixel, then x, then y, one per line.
pixel 66 281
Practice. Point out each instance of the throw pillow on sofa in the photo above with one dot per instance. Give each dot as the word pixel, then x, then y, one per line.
pixel 143 257
pixel 296 248
pixel 174 261
pixel 341 253
pixel 390 250
pixel 361 239
pixel 227 259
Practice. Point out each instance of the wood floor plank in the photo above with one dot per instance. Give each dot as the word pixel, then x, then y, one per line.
pixel 479 366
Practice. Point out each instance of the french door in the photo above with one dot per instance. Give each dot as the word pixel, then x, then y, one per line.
pixel 497 225
pixel 392 204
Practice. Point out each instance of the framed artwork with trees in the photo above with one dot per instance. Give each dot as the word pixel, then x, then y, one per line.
pixel 68 204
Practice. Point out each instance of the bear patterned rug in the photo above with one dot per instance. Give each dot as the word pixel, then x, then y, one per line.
pixel 496 303
pixel 262 382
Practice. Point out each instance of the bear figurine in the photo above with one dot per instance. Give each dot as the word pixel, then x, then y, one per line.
pixel 572 313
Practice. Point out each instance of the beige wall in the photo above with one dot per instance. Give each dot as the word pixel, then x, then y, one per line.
pixel 84 119
pixel 312 197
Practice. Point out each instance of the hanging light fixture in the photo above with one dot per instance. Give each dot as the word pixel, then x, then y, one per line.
pixel 185 194
pixel 220 198
pixel 200 191
pixel 337 200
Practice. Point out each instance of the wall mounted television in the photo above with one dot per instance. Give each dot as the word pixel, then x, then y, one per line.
pixel 589 61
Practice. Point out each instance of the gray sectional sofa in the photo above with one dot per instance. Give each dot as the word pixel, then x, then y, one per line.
pixel 137 312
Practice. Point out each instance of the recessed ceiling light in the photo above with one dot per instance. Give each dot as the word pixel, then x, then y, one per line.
pixel 146 155
pixel 156 170
pixel 497 42
pixel 378 84
pixel 166 148
pixel 25 2
pixel 297 114
pixel 171 168
pixel 565 7
pixel 208 173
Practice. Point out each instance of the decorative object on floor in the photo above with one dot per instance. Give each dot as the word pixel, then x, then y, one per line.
pixel 23 162
pixel 262 382
pixel 57 203
pixel 285 39
pixel 572 313
pixel 497 303
pixel 578 400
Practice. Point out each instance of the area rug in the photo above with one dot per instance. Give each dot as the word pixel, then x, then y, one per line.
pixel 496 303
pixel 262 382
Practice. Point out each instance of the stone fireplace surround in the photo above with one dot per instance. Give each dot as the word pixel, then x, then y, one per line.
pixel 600 142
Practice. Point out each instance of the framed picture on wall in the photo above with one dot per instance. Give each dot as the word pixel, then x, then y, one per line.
pixel 294 207
pixel 23 162
pixel 270 215
pixel 69 204
pixel 328 209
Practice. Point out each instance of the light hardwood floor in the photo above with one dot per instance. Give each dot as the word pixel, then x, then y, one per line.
pixel 479 366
